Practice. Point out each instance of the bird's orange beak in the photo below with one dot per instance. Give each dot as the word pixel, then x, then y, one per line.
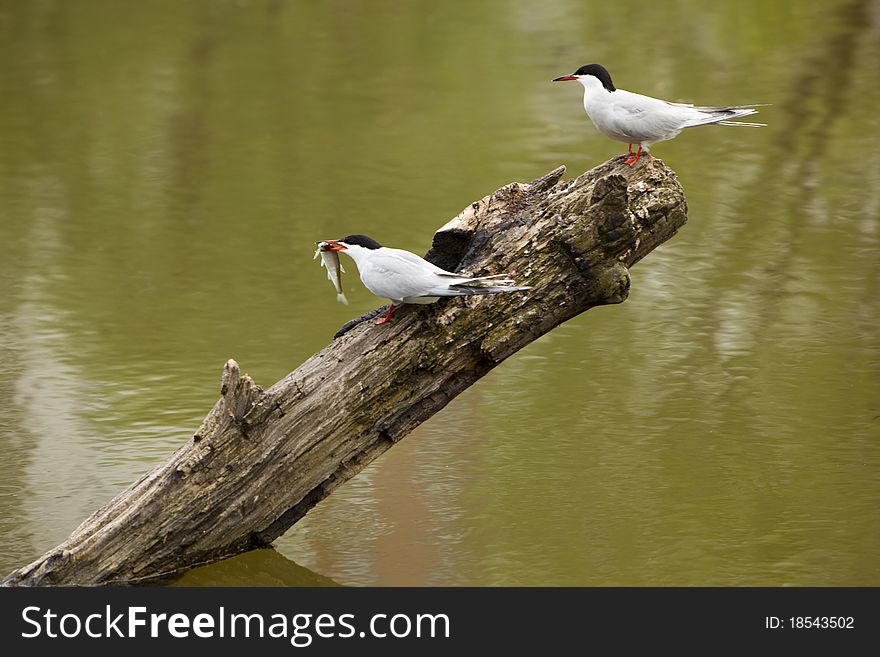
pixel 336 245
pixel 563 78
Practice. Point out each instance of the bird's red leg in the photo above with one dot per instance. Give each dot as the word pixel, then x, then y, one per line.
pixel 387 318
pixel 632 159
pixel 629 151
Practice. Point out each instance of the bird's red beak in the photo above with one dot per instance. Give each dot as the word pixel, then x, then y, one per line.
pixel 336 246
pixel 563 78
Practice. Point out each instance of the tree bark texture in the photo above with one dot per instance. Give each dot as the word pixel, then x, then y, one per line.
pixel 262 458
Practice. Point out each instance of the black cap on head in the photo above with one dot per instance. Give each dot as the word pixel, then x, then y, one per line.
pixel 361 240
pixel 599 72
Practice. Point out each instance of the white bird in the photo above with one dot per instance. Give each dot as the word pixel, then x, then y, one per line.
pixel 636 119
pixel 403 277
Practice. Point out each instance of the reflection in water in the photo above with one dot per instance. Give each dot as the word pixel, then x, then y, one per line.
pixel 265 567
pixel 165 169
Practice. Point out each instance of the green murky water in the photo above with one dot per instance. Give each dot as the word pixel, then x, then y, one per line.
pixel 165 168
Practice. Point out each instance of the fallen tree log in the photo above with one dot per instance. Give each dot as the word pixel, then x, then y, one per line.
pixel 262 458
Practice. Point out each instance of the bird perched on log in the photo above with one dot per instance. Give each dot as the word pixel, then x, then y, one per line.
pixel 636 119
pixel 403 277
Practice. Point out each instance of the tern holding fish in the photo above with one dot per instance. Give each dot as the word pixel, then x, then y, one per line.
pixel 330 261
pixel 635 119
pixel 403 277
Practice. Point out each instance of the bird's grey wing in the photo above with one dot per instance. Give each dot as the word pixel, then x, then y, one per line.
pixel 418 261
pixel 643 123
pixel 643 118
pixel 625 121
pixel 399 277
pixel 721 108
pixel 648 119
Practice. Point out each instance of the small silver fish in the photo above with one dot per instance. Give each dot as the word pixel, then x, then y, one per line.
pixel 330 261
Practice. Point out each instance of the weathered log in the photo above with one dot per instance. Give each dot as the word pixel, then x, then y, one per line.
pixel 262 458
